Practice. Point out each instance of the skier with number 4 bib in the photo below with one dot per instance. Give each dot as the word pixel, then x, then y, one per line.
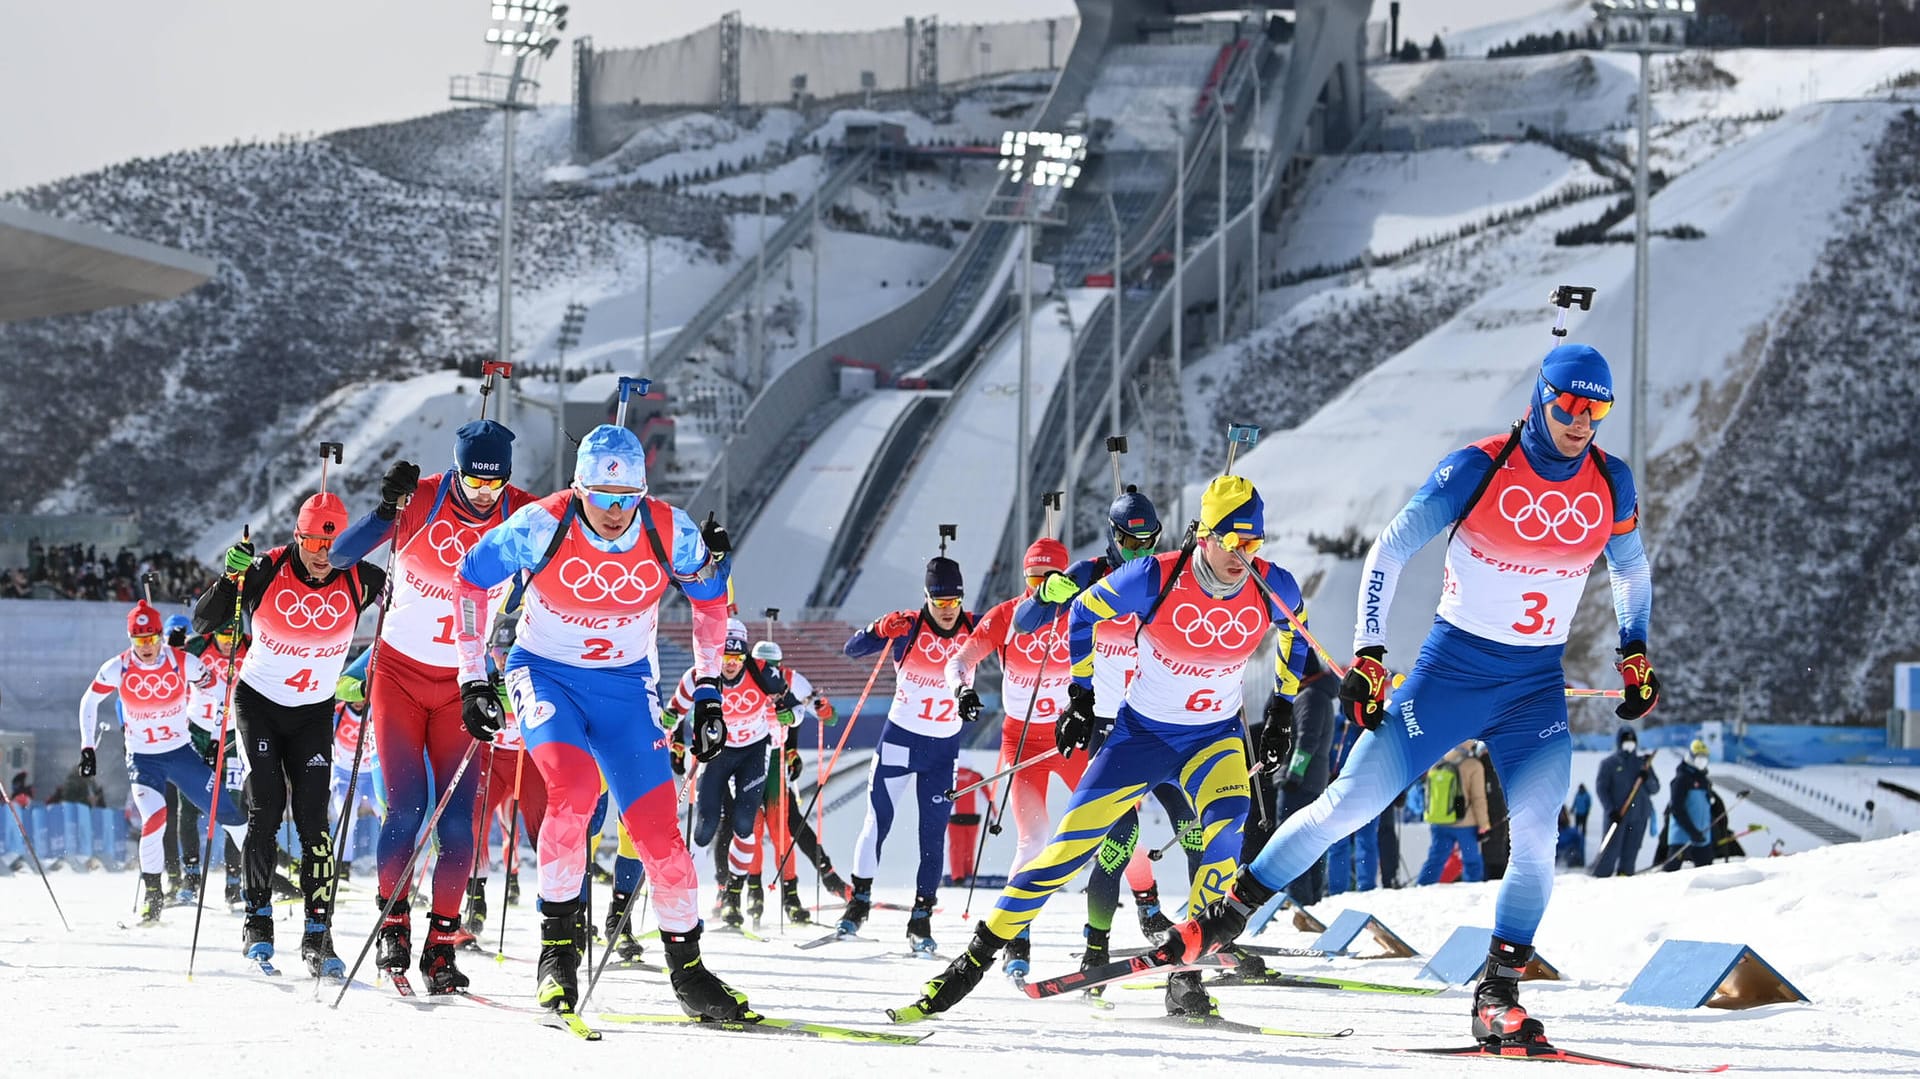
pixel 581 676
pixel 1526 514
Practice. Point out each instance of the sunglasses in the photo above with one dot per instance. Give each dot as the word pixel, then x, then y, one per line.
pixel 225 636
pixel 144 639
pixel 1238 541
pixel 945 603
pixel 1568 405
pixel 315 544
pixel 481 483
pixel 1131 542
pixel 1034 580
pixel 612 500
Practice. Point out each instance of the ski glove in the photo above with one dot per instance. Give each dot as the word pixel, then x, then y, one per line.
pixel 897 624
pixel 715 535
pixel 793 766
pixel 89 764
pixel 1641 684
pixel 823 711
pixel 239 557
pixel 709 720
pixel 677 757
pixel 396 487
pixel 969 703
pixel 349 689
pixel 1276 733
pixel 1074 729
pixel 1058 588
pixel 1363 692
pixel 480 711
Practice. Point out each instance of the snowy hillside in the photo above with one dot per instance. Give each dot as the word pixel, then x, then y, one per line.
pixel 1423 276
pixel 354 265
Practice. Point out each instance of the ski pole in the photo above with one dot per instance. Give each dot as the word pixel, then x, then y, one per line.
pixel 1049 501
pixel 31 853
pixel 1287 612
pixel 1718 818
pixel 1004 773
pixel 220 753
pixel 842 744
pixel 406 871
pixel 1576 691
pixel 507 863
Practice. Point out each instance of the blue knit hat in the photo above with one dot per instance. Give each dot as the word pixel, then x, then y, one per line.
pixel 484 448
pixel 611 457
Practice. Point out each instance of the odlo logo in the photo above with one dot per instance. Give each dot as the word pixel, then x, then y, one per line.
pixel 1557 728
pixel 1412 721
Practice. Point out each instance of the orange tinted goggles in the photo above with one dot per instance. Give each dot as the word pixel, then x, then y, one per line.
pixel 315 544
pixel 945 603
pixel 145 639
pixel 1568 405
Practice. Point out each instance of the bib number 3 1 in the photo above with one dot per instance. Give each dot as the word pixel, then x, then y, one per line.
pixel 1533 620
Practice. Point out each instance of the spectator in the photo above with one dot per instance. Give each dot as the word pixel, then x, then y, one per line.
pixel 1456 814
pixel 1389 833
pixel 73 571
pixel 1571 850
pixel 1726 845
pixel 1690 812
pixel 1495 842
pixel 20 790
pixel 1625 785
pixel 1353 863
pixel 1582 806
pixel 78 788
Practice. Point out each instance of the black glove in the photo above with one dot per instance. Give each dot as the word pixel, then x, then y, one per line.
pixel 177 639
pixel 88 763
pixel 1074 728
pixel 1363 692
pixel 715 535
pixel 793 765
pixel 400 482
pixel 1640 684
pixel 480 711
pixel 969 703
pixel 709 732
pixel 1276 735
pixel 677 757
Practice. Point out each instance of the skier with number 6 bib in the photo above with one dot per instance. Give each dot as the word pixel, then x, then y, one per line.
pixel 1526 514
pixel 582 679
pixel 304 608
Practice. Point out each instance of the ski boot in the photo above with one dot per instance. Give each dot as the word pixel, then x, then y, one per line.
pixel 236 898
pixel 722 883
pixel 920 926
pixel 953 984
pixel 1096 954
pixel 1186 997
pixel 1246 963
pixel 1499 1022
pixel 513 889
pixel 859 905
pixel 154 900
pixel 173 878
pixel 1154 924
pixel 840 889
pixel 395 950
pixel 756 901
pixel 316 950
pixel 256 934
pixel 188 893
pixel 436 959
pixel 559 971
pixel 1016 965
pixel 790 900
pixel 730 904
pixel 701 994
pixel 621 937
pixel 476 905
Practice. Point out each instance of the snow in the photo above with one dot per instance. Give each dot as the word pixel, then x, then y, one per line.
pixel 966 473
pixel 1839 922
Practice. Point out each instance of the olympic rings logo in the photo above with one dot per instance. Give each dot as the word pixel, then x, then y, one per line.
pixel 156 685
pixel 1046 642
pixel 591 584
pixel 449 542
pixel 1218 627
pixel 938 649
pixel 322 612
pixel 1533 516
pixel 740 701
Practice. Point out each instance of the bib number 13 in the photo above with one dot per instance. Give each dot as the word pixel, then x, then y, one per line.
pixel 1533 620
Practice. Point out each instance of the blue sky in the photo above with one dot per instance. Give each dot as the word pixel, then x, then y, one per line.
pixel 100 81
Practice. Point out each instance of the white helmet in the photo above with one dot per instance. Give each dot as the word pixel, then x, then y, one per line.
pixel 736 635
pixel 766 652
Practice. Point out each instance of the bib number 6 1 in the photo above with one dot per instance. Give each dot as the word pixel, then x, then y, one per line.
pixel 1205 700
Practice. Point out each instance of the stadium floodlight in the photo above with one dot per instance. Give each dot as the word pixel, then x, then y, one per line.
pixel 528 31
pixel 1641 15
pixel 1040 165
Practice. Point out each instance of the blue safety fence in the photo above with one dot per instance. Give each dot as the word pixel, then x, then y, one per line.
pixel 69 831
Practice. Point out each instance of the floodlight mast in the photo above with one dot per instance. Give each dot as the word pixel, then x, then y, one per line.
pixel 1040 165
pixel 528 31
